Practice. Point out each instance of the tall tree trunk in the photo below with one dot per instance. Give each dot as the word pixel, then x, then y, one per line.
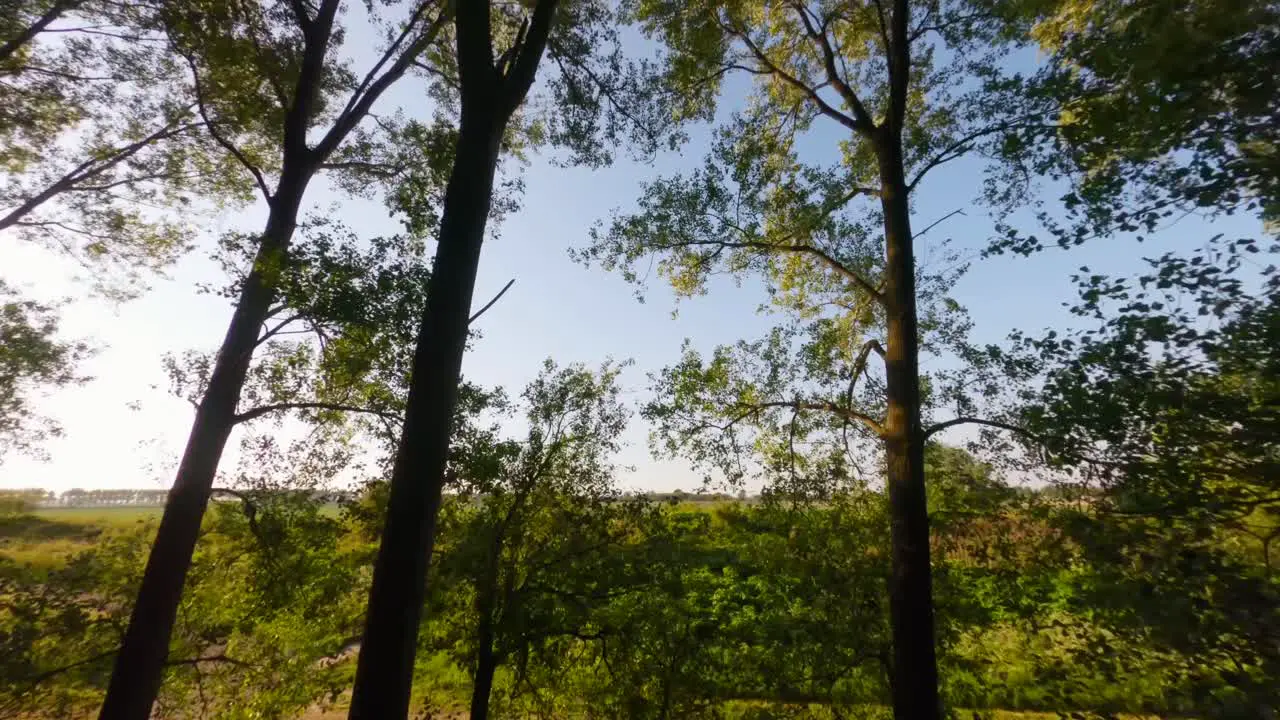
pixel 139 666
pixel 914 680
pixel 384 672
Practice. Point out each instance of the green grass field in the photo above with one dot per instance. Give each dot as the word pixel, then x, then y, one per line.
pixel 100 516
pixel 47 537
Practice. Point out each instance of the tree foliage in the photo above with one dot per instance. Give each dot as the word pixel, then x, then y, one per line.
pixel 33 358
pixel 104 154
pixel 1155 109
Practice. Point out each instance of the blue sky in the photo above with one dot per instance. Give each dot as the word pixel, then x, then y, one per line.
pixel 124 430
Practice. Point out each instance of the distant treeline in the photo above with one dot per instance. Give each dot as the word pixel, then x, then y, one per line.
pixel 76 497
pixel 125 497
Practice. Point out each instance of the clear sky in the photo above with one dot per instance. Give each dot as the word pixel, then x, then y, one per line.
pixel 122 429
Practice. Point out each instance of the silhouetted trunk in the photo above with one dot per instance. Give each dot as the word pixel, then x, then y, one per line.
pixel 139 666
pixel 915 669
pixel 485 667
pixel 486 658
pixel 384 671
pixel 136 678
pixel 486 606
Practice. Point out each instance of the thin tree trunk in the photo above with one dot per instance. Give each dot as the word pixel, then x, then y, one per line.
pixel 914 683
pixel 486 666
pixel 384 671
pixel 486 658
pixel 139 666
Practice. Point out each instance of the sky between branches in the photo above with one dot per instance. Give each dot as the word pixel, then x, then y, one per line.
pixel 123 429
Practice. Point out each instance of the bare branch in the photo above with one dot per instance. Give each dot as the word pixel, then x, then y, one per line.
pixel 939 427
pixel 273 331
pixel 938 222
pixel 865 122
pixel 373 85
pixel 790 79
pixel 495 299
pixel 860 362
pixel 961 146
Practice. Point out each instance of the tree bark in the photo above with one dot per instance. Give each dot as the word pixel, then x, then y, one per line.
pixel 384 671
pixel 914 683
pixel 139 666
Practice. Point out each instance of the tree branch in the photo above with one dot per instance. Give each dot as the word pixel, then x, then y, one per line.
pixel 52 13
pixel 220 658
pixel 495 299
pixel 89 169
pixel 35 681
pixel 516 84
pixel 856 278
pixel 790 79
pixel 316 35
pixel 866 123
pixel 474 42
pixel 219 137
pixel 860 364
pixel 937 222
pixel 965 420
pixel 257 412
pixel 829 407
pixel 301 15
pixel 379 169
pixel 49 674
pixel 899 51
pixel 373 86
pixel 959 147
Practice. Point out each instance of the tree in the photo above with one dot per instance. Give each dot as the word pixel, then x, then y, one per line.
pixel 32 357
pixel 1160 108
pixel 99 132
pixel 909 86
pixel 1166 410
pixel 596 95
pixel 265 75
pixel 535 529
